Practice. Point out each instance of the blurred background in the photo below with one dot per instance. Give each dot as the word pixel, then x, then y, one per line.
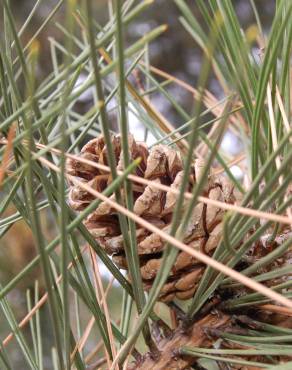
pixel 174 52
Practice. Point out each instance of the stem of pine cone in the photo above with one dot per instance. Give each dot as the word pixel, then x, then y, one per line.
pixel 170 357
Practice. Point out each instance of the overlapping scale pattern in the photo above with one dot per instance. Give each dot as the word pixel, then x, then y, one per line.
pixel 164 165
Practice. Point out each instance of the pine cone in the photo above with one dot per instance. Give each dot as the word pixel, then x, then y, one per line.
pixel 163 165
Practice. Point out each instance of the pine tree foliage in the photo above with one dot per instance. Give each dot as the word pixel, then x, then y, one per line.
pixel 198 257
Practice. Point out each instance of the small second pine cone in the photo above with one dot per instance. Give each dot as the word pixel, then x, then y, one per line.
pixel 163 165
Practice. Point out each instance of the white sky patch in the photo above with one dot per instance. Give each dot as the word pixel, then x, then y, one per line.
pixel 236 172
pixel 87 95
pixel 137 129
pixel 106 274
pixel 231 144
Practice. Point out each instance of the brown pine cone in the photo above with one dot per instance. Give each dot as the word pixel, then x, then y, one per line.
pixel 163 165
